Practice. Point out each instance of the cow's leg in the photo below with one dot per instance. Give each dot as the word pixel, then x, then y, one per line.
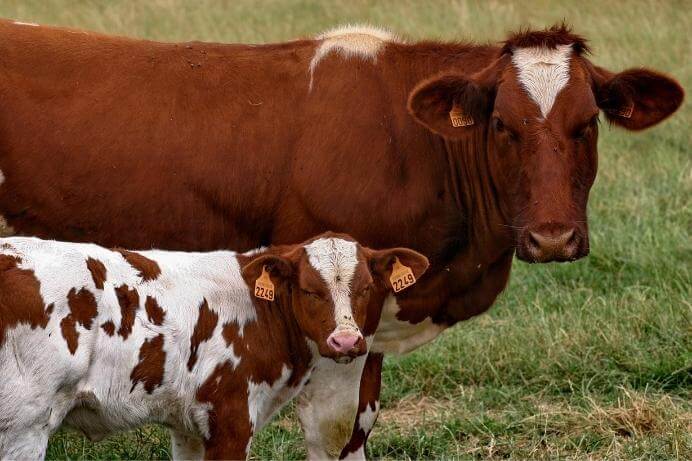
pixel 368 408
pixel 328 405
pixel 186 446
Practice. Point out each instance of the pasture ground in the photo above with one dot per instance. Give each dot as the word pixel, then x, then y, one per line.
pixel 587 360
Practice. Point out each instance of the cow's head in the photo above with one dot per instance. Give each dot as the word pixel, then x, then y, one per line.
pixel 335 288
pixel 537 107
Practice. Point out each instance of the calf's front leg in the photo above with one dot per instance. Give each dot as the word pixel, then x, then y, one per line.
pixel 368 408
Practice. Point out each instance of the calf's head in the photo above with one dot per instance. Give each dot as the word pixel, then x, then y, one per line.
pixel 335 288
pixel 536 109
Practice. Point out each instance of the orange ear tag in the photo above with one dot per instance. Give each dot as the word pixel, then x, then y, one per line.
pixel 402 276
pixel 458 118
pixel 264 288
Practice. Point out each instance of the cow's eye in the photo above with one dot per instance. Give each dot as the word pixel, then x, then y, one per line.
pixel 364 292
pixel 582 132
pixel 311 294
pixel 498 125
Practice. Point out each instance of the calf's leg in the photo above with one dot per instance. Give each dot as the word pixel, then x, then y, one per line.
pixel 327 406
pixel 368 408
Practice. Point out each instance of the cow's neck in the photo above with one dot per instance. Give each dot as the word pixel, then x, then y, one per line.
pixel 485 232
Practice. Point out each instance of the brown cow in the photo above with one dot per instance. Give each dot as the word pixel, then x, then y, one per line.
pixel 465 153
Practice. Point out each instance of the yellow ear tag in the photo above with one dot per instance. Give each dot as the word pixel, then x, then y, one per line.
pixel 402 276
pixel 458 118
pixel 625 111
pixel 264 288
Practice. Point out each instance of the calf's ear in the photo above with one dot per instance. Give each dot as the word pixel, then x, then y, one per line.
pixel 277 267
pixel 636 99
pixel 383 262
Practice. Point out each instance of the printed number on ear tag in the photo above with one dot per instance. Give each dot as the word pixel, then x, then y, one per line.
pixel 264 288
pixel 458 118
pixel 402 276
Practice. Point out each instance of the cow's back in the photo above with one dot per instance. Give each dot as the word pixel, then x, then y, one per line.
pixel 182 145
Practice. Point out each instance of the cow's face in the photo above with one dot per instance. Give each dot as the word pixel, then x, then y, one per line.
pixel 538 107
pixel 335 288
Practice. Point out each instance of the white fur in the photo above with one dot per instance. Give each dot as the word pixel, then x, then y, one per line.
pixel 543 72
pixel 350 41
pixel 395 336
pixel 20 23
pixel 44 384
pixel 328 406
pixel 2 177
pixel 336 261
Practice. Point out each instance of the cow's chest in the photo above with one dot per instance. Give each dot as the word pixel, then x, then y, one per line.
pixel 400 336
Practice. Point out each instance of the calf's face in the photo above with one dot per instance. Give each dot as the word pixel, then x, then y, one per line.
pixel 335 288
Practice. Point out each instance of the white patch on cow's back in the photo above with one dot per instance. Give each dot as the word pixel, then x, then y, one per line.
pixel 543 72
pixel 30 24
pixel 349 41
pixel 336 260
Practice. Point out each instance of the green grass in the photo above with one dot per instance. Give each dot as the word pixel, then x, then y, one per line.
pixel 587 360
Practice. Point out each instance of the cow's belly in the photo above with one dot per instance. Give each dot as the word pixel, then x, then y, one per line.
pixel 395 336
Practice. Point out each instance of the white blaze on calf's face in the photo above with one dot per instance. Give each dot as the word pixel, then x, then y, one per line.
pixel 336 260
pixel 543 72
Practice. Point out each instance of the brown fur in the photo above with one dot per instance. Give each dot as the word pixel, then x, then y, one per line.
pixel 83 310
pixel 108 327
pixel 98 272
pixel 155 313
pixel 559 34
pixel 128 298
pixel 20 297
pixel 148 269
pixel 150 368
pixel 204 328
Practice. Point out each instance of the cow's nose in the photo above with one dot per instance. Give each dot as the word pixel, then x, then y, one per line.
pixel 343 342
pixel 554 243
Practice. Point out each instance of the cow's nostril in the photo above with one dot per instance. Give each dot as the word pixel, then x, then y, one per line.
pixel 534 240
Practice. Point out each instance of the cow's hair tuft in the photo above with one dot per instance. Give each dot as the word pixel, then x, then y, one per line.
pixel 558 34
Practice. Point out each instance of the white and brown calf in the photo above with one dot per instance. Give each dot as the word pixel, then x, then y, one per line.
pixel 106 340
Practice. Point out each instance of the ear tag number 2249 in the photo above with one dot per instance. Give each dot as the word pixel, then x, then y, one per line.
pixel 264 287
pixel 402 276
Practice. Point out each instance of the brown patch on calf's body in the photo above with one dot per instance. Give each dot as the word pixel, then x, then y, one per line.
pixel 20 297
pixel 108 327
pixel 206 323
pixel 150 368
pixel 230 427
pixel 148 269
pixel 98 272
pixel 83 310
pixel 129 303
pixel 154 312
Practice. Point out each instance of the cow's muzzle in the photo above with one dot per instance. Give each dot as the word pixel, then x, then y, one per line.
pixel 552 242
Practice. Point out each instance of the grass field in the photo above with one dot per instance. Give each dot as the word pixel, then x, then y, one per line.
pixel 587 360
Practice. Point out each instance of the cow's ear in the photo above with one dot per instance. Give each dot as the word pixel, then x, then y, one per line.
pixel 637 98
pixel 450 104
pixel 276 267
pixel 383 263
